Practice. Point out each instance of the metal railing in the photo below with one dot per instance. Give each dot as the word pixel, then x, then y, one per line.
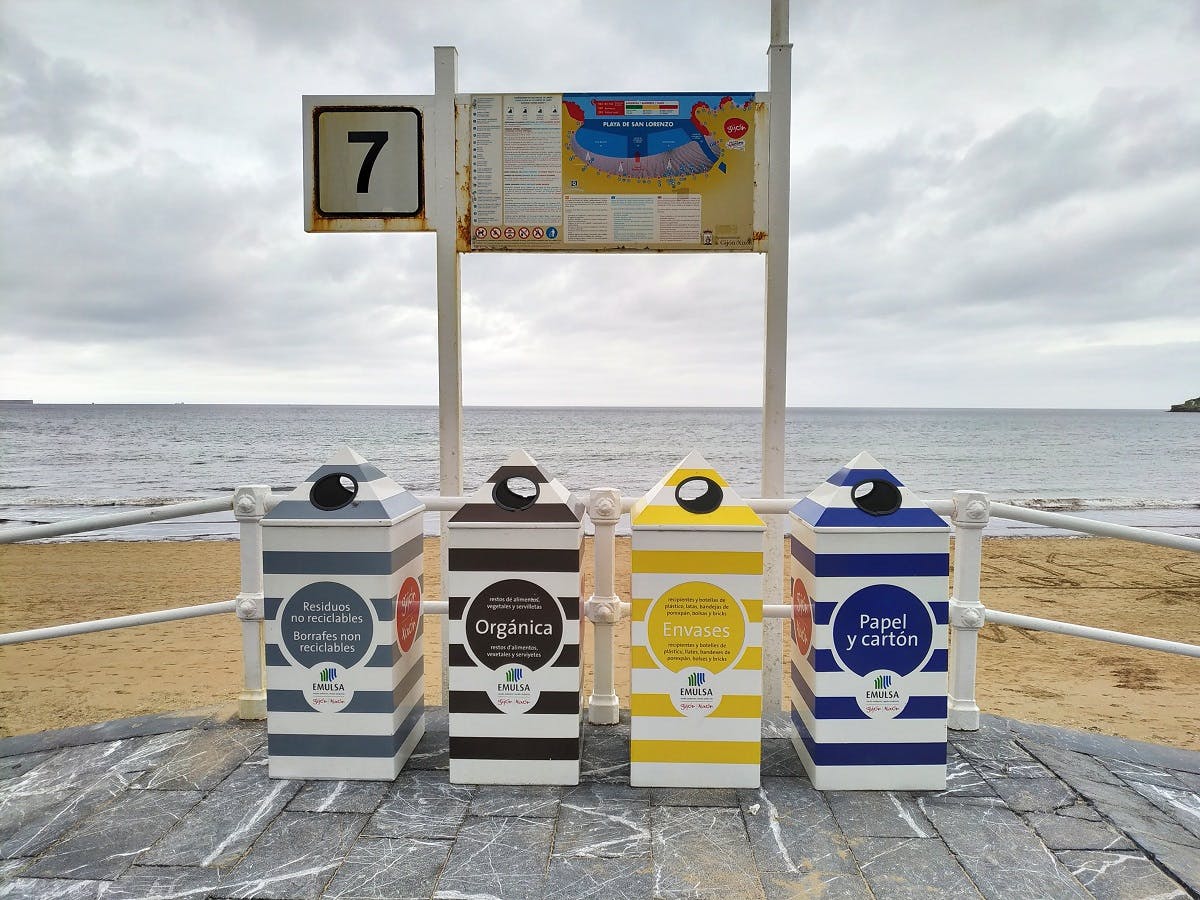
pixel 969 513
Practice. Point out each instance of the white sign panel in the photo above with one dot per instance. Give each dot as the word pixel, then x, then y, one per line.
pixel 365 163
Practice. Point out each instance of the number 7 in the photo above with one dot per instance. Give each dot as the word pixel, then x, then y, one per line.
pixel 376 139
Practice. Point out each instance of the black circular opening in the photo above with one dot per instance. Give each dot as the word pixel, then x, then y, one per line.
pixel 333 491
pixel 876 498
pixel 699 495
pixel 515 493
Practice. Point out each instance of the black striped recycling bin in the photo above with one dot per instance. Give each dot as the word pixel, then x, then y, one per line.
pixel 342 564
pixel 514 629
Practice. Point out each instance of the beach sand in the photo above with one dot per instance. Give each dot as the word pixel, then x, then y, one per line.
pixel 1032 676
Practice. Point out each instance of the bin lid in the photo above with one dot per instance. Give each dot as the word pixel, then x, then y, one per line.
pixel 863 494
pixel 347 490
pixel 672 504
pixel 520 493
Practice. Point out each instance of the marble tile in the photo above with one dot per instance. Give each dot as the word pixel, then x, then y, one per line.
pixel 593 878
pixel 1189 780
pixel 1004 856
pixel 29 823
pixel 503 856
pixel 777 725
pixel 52 889
pixel 1134 814
pixel 103 846
pixel 221 828
pixel 1181 804
pixel 808 885
pixel 339 796
pixel 531 801
pixel 1132 771
pixel 605 755
pixel 1106 746
pixel 606 830
pixel 1071 766
pixel 204 760
pixel 1068 833
pixel 962 780
pixel 891 814
pixel 389 869
pixel 779 759
pixel 163 882
pixel 432 751
pixel 903 868
pixel 421 804
pixel 792 829
pixel 1033 794
pixel 15 766
pixel 1181 861
pixel 103 732
pixel 702 853
pixel 595 792
pixel 1120 875
pixel 674 796
pixel 10 868
pixel 295 857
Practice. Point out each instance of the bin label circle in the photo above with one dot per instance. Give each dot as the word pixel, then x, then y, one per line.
pixel 802 617
pixel 327 690
pixel 408 613
pixel 696 693
pixel 696 624
pixel 513 691
pixel 882 627
pixel 882 694
pixel 326 623
pixel 514 623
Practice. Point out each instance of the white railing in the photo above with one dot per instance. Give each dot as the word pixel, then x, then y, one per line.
pixel 969 513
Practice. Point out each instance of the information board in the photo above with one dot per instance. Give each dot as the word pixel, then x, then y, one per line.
pixel 591 172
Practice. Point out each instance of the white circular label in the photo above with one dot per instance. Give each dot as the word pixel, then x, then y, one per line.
pixel 513 690
pixel 696 693
pixel 882 694
pixel 326 689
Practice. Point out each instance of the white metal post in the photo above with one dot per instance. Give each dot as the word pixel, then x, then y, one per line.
pixel 970 517
pixel 775 322
pixel 603 608
pixel 444 207
pixel 249 507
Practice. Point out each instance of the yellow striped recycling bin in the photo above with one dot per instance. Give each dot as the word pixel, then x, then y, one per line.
pixel 696 633
pixel 514 586
pixel 342 581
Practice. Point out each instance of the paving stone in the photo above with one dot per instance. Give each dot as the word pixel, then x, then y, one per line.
pixel 340 796
pixel 1132 771
pixel 105 845
pixel 389 869
pixel 1033 794
pixel 702 852
pixel 675 796
pixel 10 868
pixel 532 801
pixel 605 755
pixel 14 766
pixel 805 885
pixel 903 868
pixel 578 877
pixel 602 830
pixel 777 725
pixel 421 805
pixel 1071 766
pixel 1180 860
pixel 1004 856
pixel 1001 757
pixel 1180 803
pixel 1134 814
pixel 793 831
pixel 52 889
pixel 31 822
pixel 222 826
pixel 593 792
pixel 962 779
pixel 878 814
pixel 779 759
pixel 1068 833
pixel 431 752
pixel 174 882
pixel 295 857
pixel 497 855
pixel 205 760
pixel 1189 780
pixel 103 732
pixel 1120 876
pixel 1106 746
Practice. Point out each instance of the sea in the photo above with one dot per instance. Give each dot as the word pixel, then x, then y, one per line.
pixel 1134 467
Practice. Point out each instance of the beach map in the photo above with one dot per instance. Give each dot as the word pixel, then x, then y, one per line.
pixel 613 171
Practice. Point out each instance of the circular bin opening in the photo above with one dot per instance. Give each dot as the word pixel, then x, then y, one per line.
pixel 516 493
pixel 333 491
pixel 876 498
pixel 699 495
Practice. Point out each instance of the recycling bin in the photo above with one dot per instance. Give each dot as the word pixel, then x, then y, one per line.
pixel 342 581
pixel 869 569
pixel 514 585
pixel 696 633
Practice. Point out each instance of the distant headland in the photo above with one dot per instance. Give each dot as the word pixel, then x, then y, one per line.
pixel 1192 405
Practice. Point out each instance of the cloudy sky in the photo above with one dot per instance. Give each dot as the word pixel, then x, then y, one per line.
pixel 993 204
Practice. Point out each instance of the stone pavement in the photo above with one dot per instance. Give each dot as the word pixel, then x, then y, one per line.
pixel 181 806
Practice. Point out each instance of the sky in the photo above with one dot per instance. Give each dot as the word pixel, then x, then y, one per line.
pixel 992 205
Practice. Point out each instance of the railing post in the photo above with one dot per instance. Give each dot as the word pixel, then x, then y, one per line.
pixel 603 608
pixel 970 517
pixel 249 507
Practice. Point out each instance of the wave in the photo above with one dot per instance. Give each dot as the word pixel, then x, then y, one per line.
pixel 113 502
pixel 1080 504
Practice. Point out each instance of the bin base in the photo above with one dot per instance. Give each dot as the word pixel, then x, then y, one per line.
pixel 686 775
pixel 514 771
pixel 872 777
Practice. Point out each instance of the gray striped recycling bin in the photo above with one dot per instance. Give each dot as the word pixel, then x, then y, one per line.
pixel 514 630
pixel 342 564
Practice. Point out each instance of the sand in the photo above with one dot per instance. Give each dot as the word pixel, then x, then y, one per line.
pixel 1032 676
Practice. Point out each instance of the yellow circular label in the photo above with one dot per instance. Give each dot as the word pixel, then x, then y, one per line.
pixel 696 624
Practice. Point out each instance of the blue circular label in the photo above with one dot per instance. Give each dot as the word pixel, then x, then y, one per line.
pixel 326 622
pixel 552 232
pixel 882 627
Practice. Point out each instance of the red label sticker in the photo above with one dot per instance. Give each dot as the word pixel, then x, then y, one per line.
pixel 736 128
pixel 408 613
pixel 802 617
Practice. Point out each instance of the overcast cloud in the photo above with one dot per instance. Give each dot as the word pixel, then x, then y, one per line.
pixel 993 204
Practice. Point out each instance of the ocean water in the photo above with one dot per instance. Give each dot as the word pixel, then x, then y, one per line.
pixel 1136 467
